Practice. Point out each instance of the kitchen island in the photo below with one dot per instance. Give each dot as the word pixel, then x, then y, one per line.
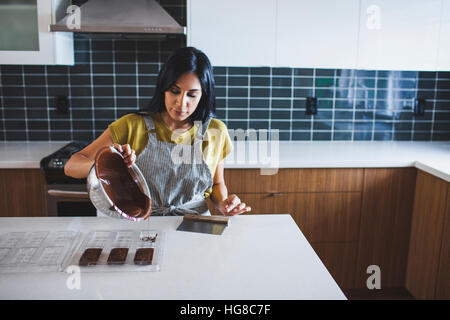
pixel 257 257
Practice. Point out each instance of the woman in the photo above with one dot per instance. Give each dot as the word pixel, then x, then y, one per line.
pixel 165 141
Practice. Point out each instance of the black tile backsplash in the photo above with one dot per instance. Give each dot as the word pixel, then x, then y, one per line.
pixel 113 77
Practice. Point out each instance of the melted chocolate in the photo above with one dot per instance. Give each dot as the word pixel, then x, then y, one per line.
pixel 119 185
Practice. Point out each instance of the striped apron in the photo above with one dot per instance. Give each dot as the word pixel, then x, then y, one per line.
pixel 177 174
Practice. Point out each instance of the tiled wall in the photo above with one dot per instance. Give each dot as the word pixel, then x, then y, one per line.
pixel 352 104
pixel 113 77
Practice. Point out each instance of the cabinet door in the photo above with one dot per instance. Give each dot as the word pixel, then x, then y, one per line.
pixel 25 37
pixel 385 224
pixel 426 235
pixel 24 193
pixel 317 34
pixel 443 280
pixel 233 32
pixel 399 35
pixel 443 63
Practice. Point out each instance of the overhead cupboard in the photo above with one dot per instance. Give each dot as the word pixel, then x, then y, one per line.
pixel 351 34
pixel 25 37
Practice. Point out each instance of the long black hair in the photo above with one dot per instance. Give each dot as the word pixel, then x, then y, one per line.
pixel 183 60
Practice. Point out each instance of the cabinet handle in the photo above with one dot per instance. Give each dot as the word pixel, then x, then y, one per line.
pixel 274 194
pixel 72 194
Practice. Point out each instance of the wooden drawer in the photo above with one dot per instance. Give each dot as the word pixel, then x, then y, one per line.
pixel 340 260
pixel 322 217
pixel 294 180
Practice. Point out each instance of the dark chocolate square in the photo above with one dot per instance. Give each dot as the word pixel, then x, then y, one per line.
pixel 118 256
pixel 90 257
pixel 143 256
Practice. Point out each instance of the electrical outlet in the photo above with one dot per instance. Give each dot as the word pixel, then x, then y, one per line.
pixel 311 105
pixel 419 107
pixel 62 105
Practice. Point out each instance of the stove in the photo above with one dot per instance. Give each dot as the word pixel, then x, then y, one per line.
pixel 53 165
pixel 65 196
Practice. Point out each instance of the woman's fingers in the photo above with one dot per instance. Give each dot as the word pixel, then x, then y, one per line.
pixel 129 155
pixel 126 150
pixel 235 206
pixel 232 202
pixel 130 159
pixel 118 147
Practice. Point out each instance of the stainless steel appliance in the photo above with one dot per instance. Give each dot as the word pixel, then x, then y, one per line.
pixel 65 196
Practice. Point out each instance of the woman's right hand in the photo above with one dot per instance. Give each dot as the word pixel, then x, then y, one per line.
pixel 81 162
pixel 129 155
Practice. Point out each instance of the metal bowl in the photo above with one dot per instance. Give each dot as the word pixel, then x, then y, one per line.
pixel 100 198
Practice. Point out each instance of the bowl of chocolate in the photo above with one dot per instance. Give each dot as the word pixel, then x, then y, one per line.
pixel 116 190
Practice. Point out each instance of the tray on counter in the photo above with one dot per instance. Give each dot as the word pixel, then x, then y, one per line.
pixel 106 240
pixel 36 251
pixel 50 251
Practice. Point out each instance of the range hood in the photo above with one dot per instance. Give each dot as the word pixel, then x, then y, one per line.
pixel 119 16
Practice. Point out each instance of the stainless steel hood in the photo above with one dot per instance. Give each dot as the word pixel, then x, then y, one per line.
pixel 119 16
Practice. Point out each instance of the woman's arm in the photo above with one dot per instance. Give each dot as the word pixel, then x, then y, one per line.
pixel 228 205
pixel 81 162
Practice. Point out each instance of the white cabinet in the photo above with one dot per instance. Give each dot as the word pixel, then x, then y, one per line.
pixel 399 35
pixel 443 63
pixel 317 34
pixel 25 37
pixel 233 32
pixel 341 34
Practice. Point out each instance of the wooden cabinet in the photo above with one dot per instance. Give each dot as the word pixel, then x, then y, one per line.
pixel 426 243
pixel 22 193
pixel 386 210
pixel 294 180
pixel 443 277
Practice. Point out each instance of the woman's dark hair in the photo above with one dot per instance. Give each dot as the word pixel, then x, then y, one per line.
pixel 183 60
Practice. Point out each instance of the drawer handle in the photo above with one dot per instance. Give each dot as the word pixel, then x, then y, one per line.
pixel 274 194
pixel 64 193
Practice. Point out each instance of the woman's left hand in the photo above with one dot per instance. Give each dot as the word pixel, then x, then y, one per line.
pixel 232 206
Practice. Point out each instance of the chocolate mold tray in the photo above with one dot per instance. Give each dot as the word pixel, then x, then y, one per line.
pixel 36 251
pixel 107 240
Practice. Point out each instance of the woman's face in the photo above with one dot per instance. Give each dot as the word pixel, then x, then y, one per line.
pixel 183 97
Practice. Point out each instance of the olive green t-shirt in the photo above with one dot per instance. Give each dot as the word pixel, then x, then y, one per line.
pixel 131 129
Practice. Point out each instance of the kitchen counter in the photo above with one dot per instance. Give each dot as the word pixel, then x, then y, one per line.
pixel 431 157
pixel 257 257
pixel 26 155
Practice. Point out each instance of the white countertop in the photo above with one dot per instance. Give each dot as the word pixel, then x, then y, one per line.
pixel 432 157
pixel 26 155
pixel 262 257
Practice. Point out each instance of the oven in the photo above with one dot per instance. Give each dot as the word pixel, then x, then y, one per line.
pixel 65 196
